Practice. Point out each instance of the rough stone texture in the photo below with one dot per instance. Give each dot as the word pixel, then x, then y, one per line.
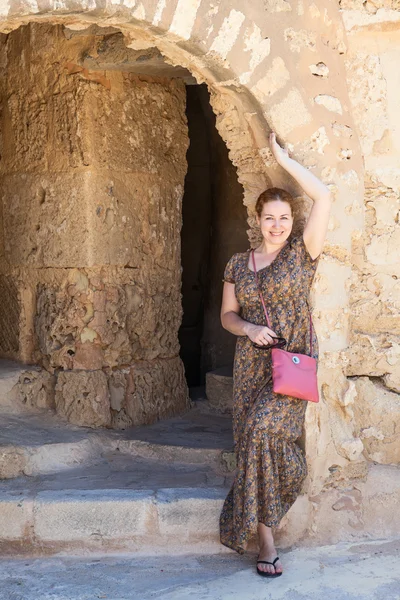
pixel 374 349
pixel 374 345
pixel 107 317
pixel 83 398
pixel 329 102
pixel 366 503
pixel 219 389
pixel 295 112
pixel 15 517
pixel 40 443
pixel 91 209
pixel 181 512
pixel 35 389
pixel 57 518
pixel 369 6
pixel 368 91
pixel 377 415
pixel 155 389
pixel 12 462
pixel 299 40
pixel 275 79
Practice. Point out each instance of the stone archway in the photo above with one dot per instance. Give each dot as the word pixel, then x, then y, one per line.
pixel 279 71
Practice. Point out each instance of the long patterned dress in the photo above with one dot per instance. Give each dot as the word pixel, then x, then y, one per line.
pixel 270 464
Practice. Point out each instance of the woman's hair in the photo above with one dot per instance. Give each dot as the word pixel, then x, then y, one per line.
pixel 273 194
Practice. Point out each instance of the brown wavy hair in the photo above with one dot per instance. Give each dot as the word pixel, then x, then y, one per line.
pixel 273 194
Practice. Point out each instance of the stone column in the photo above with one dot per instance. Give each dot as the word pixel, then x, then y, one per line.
pixel 91 184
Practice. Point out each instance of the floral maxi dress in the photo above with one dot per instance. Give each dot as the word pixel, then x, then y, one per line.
pixel 270 464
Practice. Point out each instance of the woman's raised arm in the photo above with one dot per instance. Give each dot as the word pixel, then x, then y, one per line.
pixel 317 224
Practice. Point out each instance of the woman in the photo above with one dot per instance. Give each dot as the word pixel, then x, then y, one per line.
pixel 270 465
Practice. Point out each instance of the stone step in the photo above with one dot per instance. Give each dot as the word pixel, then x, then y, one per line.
pixel 123 503
pixel 219 389
pixel 154 507
pixel 173 520
pixel 42 442
pixel 148 505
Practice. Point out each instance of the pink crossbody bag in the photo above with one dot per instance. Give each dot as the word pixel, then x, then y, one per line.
pixel 293 374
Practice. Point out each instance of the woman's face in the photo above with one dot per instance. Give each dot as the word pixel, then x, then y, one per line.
pixel 276 221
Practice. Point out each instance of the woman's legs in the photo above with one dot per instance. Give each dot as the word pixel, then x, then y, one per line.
pixel 267 550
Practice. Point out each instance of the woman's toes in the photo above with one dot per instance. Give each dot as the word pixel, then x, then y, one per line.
pixel 278 567
pixel 266 568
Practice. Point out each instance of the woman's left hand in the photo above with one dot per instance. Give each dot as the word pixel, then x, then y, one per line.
pixel 280 154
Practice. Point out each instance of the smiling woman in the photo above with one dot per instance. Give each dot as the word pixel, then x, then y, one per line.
pixel 267 425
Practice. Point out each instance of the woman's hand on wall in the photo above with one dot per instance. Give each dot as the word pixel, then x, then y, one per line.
pixel 280 154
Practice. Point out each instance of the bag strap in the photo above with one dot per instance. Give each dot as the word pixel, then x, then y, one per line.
pixel 259 290
pixel 263 303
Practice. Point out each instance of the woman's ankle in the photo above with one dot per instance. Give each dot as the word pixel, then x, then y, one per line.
pixel 265 537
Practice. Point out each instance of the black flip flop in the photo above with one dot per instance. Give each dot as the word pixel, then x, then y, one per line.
pixel 264 573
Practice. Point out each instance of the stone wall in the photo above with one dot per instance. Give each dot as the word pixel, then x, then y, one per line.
pixel 374 85
pixel 92 176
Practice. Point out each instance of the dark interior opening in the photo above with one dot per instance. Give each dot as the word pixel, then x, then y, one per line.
pixel 214 228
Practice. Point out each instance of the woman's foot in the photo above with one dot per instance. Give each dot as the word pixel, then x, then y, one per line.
pixel 268 551
pixel 268 555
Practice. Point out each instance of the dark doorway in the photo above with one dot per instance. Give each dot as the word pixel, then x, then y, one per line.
pixel 214 228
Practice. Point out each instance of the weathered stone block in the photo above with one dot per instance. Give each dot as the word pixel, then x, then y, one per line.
pixel 44 106
pixel 123 212
pixel 42 214
pixel 375 355
pixel 296 523
pixel 140 128
pixel 381 498
pixel 155 390
pixel 368 95
pixel 12 462
pixel 190 512
pixel 219 389
pixel 83 398
pixel 377 415
pixel 299 40
pixel 290 113
pixel 117 383
pixel 76 516
pixel 384 249
pixel 15 517
pixel 275 79
pixel 35 389
pixel 107 318
pixel 331 103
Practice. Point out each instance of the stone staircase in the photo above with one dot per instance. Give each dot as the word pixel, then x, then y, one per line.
pixel 90 513
pixel 156 489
